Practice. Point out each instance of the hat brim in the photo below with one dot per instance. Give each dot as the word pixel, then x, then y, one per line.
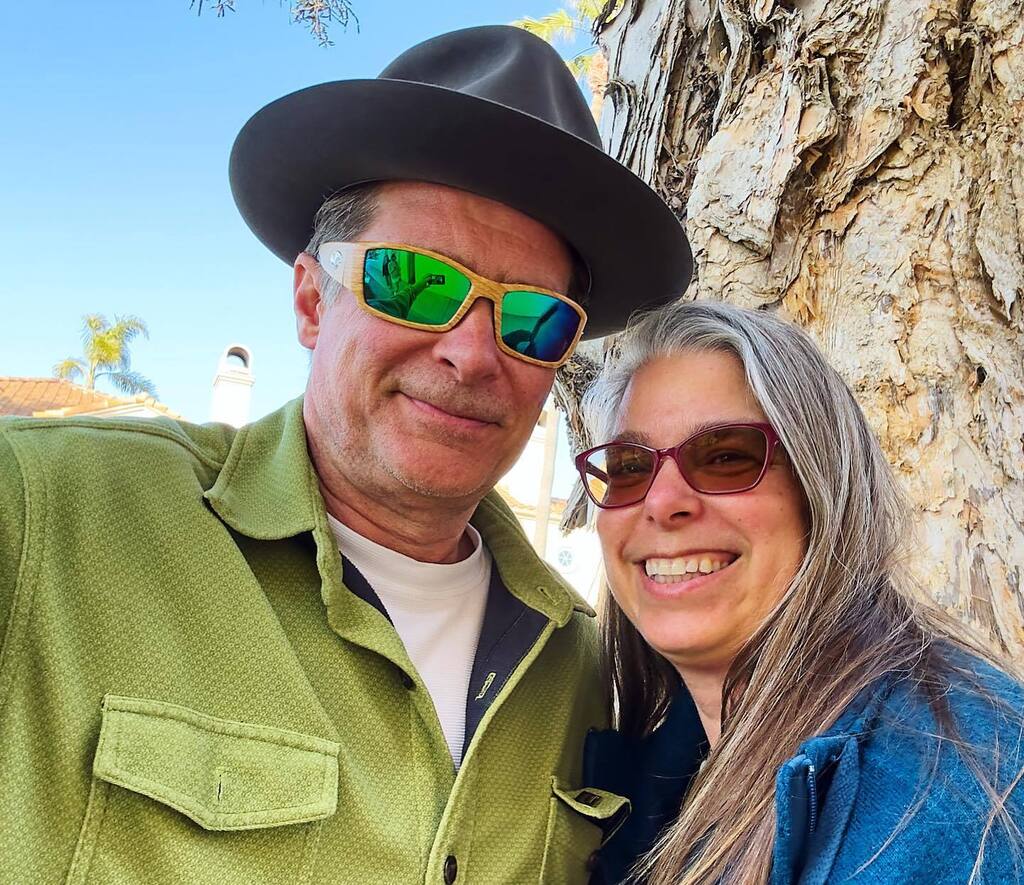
pixel 297 151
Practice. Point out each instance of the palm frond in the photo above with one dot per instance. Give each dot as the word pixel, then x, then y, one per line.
pixel 128 327
pixel 587 11
pixel 104 350
pixel 92 325
pixel 69 369
pixel 581 64
pixel 124 331
pixel 555 26
pixel 131 382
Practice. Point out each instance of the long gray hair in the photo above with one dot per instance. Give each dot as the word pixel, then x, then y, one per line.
pixel 846 619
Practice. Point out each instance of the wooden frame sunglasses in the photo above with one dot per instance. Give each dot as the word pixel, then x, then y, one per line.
pixel 541 322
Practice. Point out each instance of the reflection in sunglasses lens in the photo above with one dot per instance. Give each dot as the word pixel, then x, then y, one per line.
pixel 420 289
pixel 724 460
pixel 620 474
pixel 409 286
pixel 537 325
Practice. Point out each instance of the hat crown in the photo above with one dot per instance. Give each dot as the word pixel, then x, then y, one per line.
pixel 503 64
pixel 493 111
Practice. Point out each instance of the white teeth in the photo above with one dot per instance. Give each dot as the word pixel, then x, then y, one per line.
pixel 680 568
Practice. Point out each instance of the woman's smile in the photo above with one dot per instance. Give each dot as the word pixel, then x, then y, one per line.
pixel 665 576
pixel 698 573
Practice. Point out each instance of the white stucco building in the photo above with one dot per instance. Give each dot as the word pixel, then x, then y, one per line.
pixel 527 487
pixel 232 386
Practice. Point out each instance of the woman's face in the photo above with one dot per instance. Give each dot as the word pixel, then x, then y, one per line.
pixel 755 539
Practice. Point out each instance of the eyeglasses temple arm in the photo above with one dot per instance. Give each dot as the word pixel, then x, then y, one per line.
pixel 339 272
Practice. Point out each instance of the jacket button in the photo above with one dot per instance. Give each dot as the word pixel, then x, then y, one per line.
pixel 408 681
pixel 451 869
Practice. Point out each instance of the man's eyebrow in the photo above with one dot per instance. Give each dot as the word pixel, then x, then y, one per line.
pixel 502 275
pixel 506 276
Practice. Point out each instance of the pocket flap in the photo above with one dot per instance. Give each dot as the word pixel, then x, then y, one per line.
pixel 603 808
pixel 224 775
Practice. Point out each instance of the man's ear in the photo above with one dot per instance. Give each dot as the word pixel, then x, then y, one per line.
pixel 308 302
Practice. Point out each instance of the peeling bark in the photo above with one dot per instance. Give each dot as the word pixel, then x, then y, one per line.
pixel 858 166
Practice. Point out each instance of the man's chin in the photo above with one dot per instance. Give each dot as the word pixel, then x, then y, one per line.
pixel 443 486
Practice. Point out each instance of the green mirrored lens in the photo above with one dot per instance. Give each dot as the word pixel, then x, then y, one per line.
pixel 537 325
pixel 409 286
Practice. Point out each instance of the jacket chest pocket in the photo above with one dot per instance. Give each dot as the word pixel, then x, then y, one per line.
pixel 181 796
pixel 578 821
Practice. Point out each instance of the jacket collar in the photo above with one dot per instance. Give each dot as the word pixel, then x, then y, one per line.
pixel 523 572
pixel 268 490
pixel 808 829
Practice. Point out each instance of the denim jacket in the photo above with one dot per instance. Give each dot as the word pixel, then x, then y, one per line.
pixel 876 798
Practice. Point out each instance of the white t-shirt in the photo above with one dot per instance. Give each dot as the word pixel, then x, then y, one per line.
pixel 437 610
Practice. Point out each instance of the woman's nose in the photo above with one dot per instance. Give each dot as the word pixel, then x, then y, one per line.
pixel 670 496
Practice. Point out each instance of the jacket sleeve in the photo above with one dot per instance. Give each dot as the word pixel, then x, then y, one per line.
pixel 12 530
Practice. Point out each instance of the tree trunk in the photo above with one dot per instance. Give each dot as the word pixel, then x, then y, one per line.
pixel 857 166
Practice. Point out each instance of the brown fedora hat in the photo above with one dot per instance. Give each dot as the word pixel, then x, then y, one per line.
pixel 492 110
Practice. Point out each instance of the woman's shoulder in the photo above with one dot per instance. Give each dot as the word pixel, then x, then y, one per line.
pixel 973 705
pixel 973 716
pixel 930 765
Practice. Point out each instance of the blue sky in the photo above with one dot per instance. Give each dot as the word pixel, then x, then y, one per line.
pixel 114 199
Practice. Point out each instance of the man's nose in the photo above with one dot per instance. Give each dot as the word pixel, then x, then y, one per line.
pixel 470 347
pixel 670 497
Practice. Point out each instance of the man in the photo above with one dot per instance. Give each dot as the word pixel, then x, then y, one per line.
pixel 317 649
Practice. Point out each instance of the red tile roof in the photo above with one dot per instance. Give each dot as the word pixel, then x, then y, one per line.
pixel 56 398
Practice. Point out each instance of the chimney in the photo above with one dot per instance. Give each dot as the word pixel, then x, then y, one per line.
pixel 232 387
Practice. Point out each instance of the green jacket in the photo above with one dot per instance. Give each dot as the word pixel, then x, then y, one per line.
pixel 190 693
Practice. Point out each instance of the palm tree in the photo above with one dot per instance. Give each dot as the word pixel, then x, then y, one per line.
pixel 564 26
pixel 106 354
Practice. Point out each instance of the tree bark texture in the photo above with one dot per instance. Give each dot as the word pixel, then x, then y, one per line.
pixel 858 166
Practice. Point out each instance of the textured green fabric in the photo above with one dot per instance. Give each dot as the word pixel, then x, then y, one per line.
pixel 188 692
pixel 224 775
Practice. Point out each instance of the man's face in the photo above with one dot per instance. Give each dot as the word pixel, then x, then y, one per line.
pixel 394 410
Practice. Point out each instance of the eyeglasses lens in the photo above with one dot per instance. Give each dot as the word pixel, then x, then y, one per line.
pixel 727 459
pixel 413 287
pixel 619 474
pixel 537 325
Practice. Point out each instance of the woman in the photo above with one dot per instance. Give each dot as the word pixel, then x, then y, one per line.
pixel 786 710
